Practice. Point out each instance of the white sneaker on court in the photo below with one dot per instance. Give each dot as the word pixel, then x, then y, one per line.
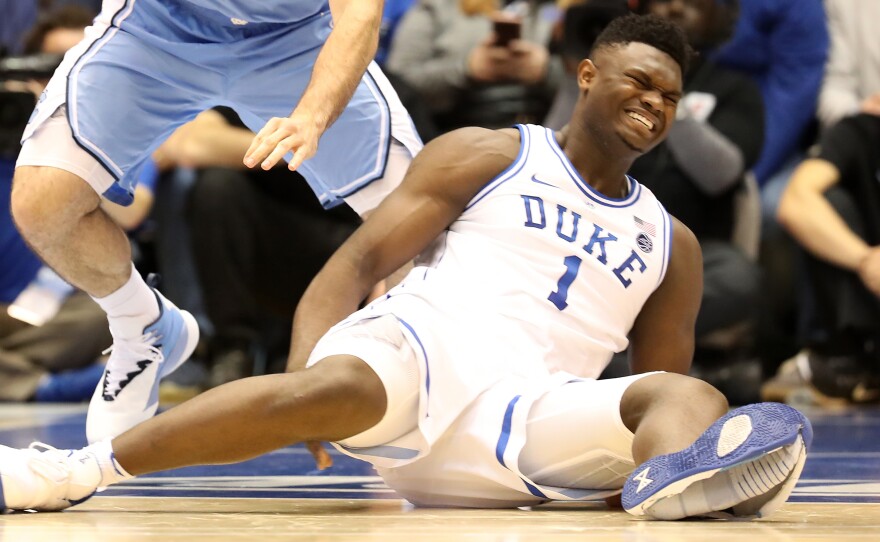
pixel 744 465
pixel 129 390
pixel 43 478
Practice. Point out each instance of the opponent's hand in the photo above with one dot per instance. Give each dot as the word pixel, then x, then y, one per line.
pixel 322 458
pixel 298 133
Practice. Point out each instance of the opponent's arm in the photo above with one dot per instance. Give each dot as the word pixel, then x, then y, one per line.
pixel 662 338
pixel 338 69
pixel 440 182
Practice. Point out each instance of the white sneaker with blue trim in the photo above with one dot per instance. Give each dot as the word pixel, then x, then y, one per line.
pixel 129 390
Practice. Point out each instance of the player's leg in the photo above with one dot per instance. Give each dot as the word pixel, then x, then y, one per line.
pixel 647 419
pixel 650 404
pixel 59 215
pixel 361 389
pixel 85 141
pixel 338 398
pixel 745 463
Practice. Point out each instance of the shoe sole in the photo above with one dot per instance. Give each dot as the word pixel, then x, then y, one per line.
pixel 741 436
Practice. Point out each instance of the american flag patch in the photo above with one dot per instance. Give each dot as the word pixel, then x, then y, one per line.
pixel 646 227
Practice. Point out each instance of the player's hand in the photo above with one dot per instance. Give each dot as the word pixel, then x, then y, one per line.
pixel 322 458
pixel 298 133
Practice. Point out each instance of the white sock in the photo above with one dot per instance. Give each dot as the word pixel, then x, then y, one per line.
pixel 111 471
pixel 131 308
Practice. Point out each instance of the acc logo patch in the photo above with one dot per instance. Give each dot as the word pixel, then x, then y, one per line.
pixel 644 242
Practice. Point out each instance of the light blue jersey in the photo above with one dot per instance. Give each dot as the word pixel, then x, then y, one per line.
pixel 147 66
pixel 264 11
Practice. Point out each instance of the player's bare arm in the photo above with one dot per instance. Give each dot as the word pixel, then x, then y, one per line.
pixel 662 338
pixel 810 218
pixel 440 182
pixel 338 70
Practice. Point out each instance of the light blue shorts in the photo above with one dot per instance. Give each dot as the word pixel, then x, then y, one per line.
pixel 146 67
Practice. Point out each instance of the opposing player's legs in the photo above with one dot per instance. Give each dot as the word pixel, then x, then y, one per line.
pixel 86 141
pixel 336 399
pixel 56 205
pixel 60 216
pixel 695 458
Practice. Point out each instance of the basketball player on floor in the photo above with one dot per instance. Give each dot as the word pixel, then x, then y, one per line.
pixel 144 68
pixel 472 383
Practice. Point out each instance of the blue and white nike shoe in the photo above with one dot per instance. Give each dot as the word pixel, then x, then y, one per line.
pixel 43 478
pixel 745 465
pixel 128 393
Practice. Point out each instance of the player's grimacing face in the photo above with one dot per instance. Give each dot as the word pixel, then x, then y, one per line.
pixel 634 92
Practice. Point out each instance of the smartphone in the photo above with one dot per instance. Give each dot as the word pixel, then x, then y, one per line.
pixel 506 30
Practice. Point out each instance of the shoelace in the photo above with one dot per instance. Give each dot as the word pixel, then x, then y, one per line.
pixel 48 462
pixel 131 351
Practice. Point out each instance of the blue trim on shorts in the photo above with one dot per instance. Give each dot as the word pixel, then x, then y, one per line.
pixel 502 445
pixel 383 104
pixel 115 193
pixel 424 354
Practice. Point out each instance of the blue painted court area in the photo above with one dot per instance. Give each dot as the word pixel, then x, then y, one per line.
pixel 843 465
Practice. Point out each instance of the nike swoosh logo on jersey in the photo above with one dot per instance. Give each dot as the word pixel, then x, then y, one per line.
pixel 536 180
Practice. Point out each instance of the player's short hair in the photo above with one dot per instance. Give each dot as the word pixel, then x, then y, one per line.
pixel 651 30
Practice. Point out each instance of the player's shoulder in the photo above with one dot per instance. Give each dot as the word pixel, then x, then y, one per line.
pixel 474 149
pixel 505 141
pixel 685 245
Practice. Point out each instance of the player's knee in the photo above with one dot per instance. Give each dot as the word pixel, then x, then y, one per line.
pixel 46 201
pixel 352 392
pixel 670 390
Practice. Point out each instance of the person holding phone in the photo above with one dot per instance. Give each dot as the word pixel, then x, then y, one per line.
pixel 474 63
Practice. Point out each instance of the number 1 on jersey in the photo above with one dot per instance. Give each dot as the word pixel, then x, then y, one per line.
pixel 558 298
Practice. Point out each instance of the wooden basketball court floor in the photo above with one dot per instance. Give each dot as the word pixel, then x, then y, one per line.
pixel 281 497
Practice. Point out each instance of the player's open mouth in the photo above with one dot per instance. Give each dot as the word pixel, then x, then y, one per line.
pixel 645 121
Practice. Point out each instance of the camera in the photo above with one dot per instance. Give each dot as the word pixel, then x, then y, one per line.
pixel 16 105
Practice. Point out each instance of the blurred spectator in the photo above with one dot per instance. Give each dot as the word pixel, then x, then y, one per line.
pixel 393 11
pixel 452 54
pixel 852 74
pixel 697 173
pixel 783 44
pixel 832 207
pixel 18 16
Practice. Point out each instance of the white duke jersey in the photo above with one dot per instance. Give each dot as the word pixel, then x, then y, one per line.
pixel 546 262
